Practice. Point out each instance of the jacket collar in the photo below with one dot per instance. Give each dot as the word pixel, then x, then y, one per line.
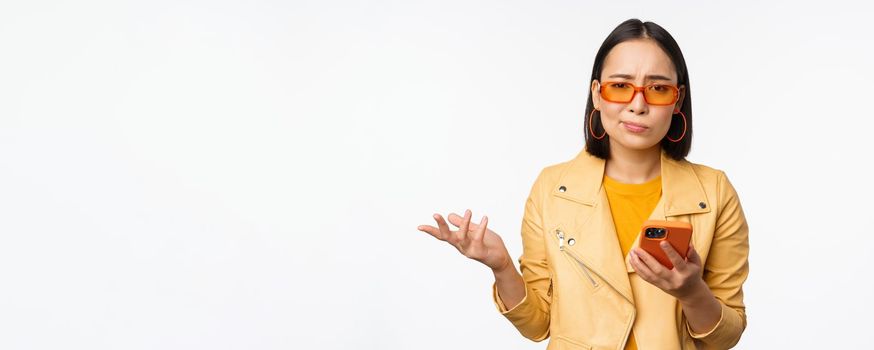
pixel 681 188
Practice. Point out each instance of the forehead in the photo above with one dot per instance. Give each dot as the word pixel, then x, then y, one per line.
pixel 638 58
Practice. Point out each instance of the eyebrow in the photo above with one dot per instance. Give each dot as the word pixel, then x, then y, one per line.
pixel 648 77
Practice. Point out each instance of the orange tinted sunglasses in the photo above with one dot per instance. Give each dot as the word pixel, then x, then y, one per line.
pixel 654 94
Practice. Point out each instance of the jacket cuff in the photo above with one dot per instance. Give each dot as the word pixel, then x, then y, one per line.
pixel 527 316
pixel 499 303
pixel 725 332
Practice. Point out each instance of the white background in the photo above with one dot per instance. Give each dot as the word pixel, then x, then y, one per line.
pixel 250 174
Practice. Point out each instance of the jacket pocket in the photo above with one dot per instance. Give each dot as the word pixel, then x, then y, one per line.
pixel 564 343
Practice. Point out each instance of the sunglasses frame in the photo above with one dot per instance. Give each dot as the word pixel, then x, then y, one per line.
pixel 640 89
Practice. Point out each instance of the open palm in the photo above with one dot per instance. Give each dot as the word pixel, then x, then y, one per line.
pixel 474 241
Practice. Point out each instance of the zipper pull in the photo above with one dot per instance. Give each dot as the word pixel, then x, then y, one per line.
pixel 560 239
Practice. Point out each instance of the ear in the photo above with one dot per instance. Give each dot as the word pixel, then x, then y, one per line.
pixel 596 96
pixel 682 96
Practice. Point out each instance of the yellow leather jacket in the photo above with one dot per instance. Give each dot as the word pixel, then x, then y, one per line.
pixel 582 295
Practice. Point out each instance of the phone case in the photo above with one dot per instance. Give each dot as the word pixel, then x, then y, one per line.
pixel 677 233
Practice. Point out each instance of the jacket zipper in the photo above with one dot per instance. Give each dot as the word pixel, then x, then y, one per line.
pixel 582 265
pixel 585 269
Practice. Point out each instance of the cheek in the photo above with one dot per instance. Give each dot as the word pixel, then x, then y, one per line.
pixel 610 115
pixel 664 121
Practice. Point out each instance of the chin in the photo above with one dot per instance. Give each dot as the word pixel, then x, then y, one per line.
pixel 638 144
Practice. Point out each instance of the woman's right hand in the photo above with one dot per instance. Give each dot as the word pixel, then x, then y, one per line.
pixel 474 241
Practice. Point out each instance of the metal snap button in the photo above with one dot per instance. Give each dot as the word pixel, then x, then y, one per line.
pixel 571 241
pixel 702 205
pixel 562 189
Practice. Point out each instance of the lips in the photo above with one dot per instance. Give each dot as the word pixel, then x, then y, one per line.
pixel 639 126
pixel 634 127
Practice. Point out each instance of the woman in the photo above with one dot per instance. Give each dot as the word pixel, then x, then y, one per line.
pixel 584 281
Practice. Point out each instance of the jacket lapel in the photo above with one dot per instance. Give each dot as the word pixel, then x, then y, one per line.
pixel 592 222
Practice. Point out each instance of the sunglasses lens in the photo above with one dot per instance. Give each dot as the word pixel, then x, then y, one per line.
pixel 660 94
pixel 623 92
pixel 617 92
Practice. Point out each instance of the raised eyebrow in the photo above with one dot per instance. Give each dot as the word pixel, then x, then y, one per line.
pixel 648 77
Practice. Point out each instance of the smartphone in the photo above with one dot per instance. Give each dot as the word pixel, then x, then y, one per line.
pixel 677 233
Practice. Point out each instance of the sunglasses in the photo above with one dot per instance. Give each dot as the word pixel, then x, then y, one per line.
pixel 654 94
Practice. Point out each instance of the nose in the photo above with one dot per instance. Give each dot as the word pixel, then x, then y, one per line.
pixel 638 103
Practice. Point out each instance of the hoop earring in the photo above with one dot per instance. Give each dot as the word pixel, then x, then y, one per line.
pixel 592 131
pixel 684 129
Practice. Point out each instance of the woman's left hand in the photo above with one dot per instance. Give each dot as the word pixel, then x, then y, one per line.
pixel 683 281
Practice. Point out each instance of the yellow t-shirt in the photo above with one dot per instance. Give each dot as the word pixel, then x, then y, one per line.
pixel 631 205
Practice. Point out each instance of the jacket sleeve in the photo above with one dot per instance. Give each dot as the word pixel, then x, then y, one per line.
pixel 531 315
pixel 727 268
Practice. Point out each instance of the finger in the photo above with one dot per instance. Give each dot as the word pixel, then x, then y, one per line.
pixel 654 265
pixel 673 256
pixel 465 226
pixel 693 256
pixel 478 233
pixel 445 233
pixel 641 268
pixel 456 220
pixel 431 230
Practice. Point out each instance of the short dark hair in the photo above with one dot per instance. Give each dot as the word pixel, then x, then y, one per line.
pixel 630 30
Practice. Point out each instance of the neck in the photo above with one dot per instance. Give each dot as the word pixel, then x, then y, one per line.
pixel 633 166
